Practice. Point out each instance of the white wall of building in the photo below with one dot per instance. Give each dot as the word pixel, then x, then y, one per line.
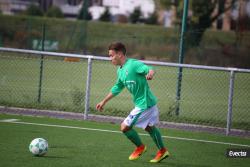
pixel 124 7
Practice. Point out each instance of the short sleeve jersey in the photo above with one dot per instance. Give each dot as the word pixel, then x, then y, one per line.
pixel 132 76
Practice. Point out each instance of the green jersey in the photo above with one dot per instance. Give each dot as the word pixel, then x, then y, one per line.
pixel 132 76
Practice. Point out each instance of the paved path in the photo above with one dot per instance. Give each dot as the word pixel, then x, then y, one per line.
pixel 118 120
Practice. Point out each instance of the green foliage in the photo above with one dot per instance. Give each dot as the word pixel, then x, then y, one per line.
pixel 166 3
pixel 134 17
pixel 203 8
pixel 146 38
pixel 84 14
pixel 33 10
pixel 54 11
pixel 153 19
pixel 200 21
pixel 81 16
pixel 106 16
pixel 152 42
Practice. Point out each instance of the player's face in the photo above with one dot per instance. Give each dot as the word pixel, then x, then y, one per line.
pixel 115 57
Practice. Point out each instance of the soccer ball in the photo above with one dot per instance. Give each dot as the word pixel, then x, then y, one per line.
pixel 38 147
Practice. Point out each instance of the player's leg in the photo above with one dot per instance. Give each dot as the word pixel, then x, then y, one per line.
pixel 157 138
pixel 156 135
pixel 132 135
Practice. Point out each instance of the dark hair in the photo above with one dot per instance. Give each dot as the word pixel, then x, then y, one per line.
pixel 118 46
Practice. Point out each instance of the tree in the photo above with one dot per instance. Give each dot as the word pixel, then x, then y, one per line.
pixel 201 18
pixel 84 13
pixel 153 19
pixel 166 3
pixel 106 16
pixel 33 10
pixel 199 21
pixel 81 16
pixel 135 16
pixel 54 11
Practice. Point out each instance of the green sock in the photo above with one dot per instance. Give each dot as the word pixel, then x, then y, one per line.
pixel 156 136
pixel 133 136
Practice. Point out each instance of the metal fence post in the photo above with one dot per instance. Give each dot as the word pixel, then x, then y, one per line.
pixel 87 90
pixel 230 102
pixel 41 68
pixel 1 40
pixel 181 55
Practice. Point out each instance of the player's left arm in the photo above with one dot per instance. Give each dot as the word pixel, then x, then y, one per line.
pixel 150 74
pixel 146 70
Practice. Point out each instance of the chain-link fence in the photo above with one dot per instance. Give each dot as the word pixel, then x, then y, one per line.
pixel 69 82
pixel 81 37
pixel 57 81
pixel 216 48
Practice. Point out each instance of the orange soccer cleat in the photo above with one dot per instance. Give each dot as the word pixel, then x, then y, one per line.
pixel 161 154
pixel 137 152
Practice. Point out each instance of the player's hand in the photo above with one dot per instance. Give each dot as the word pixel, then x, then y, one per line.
pixel 150 75
pixel 99 106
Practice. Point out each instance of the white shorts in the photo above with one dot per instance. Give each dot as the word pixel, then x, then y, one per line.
pixel 142 119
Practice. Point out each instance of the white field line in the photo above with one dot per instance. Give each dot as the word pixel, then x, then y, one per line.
pixel 112 131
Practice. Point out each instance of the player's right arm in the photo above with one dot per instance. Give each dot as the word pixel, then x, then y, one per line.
pixel 100 105
pixel 143 69
pixel 116 89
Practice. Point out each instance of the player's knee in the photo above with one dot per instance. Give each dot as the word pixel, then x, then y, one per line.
pixel 124 128
pixel 148 128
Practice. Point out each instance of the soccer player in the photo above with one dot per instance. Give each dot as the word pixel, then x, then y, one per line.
pixel 133 75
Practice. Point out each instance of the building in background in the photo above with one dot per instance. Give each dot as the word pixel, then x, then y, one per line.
pixel 71 8
pixel 122 7
pixel 16 6
pixel 229 20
